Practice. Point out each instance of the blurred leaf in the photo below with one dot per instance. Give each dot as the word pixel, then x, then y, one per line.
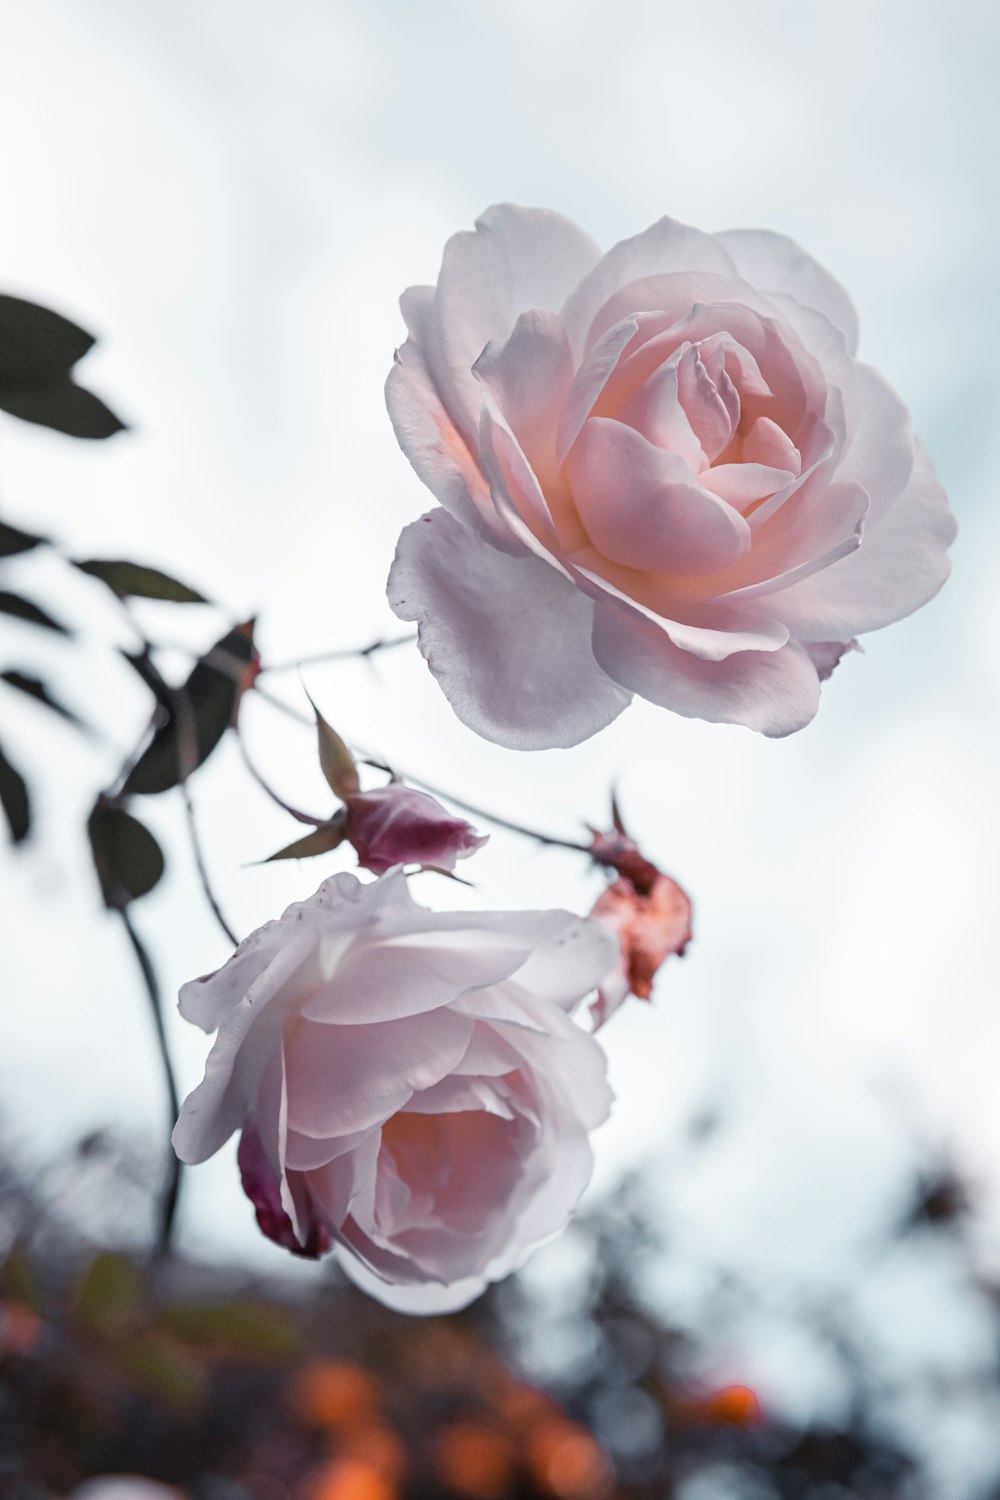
pixel 210 697
pixel 37 343
pixel 108 1294
pixel 243 1327
pixel 320 841
pixel 38 349
pixel 35 688
pixel 127 858
pixel 64 407
pixel 23 609
pixel 15 800
pixel 14 540
pixel 128 578
pixel 166 1372
pixel 336 761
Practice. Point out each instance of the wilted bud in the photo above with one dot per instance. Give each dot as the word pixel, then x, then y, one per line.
pixel 396 825
pixel 648 911
pixel 649 928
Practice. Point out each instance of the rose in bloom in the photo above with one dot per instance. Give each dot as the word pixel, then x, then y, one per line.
pixel 397 825
pixel 662 471
pixel 408 1084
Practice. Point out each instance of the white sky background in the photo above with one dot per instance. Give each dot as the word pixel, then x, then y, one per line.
pixel 232 195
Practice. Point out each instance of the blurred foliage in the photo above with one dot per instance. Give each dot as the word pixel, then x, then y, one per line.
pixel 232 1390
pixel 38 349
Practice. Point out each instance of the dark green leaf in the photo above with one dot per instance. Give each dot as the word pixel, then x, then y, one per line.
pixel 38 349
pixel 36 689
pixel 336 761
pixel 128 578
pixel 198 714
pixel 243 1327
pixel 127 858
pixel 63 406
pixel 320 841
pixel 14 540
pixel 37 343
pixel 14 800
pixel 23 609
pixel 107 1297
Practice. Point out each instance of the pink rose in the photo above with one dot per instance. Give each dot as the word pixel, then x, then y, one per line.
pixel 396 825
pixel 663 472
pixel 408 1083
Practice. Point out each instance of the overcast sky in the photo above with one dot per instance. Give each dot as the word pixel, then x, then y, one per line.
pixel 233 195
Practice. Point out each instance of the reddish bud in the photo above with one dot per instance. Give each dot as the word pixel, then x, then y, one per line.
pixel 396 825
pixel 650 927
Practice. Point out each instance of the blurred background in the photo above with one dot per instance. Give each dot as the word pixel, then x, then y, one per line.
pixel 801 1180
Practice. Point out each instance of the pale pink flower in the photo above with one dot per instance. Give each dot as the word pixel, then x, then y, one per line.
pixel 409 1084
pixel 397 825
pixel 662 470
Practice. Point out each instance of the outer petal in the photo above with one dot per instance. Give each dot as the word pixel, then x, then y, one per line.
pixel 507 638
pixel 901 563
pixel 437 450
pixel 881 454
pixel 776 263
pixel 216 1108
pixel 666 246
pixel 775 692
pixel 516 259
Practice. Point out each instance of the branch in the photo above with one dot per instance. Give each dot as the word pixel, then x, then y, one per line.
pixel 381 644
pixel 550 840
pixel 171 1188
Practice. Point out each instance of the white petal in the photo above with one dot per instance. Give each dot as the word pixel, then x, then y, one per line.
pixel 901 563
pixel 530 375
pixel 776 263
pixel 667 246
pixel 507 638
pixel 516 259
pixel 775 692
pixel 439 453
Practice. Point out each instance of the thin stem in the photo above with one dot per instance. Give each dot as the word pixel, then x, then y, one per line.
pixel 199 859
pixel 550 840
pixel 171 1188
pixel 268 789
pixel 380 644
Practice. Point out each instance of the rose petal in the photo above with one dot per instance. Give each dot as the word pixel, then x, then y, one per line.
pixel 642 508
pixel 348 1078
pixel 530 375
pixel 775 692
pixel 438 452
pixel 899 566
pixel 507 638
pixel 415 972
pixel 881 453
pixel 216 1108
pixel 775 263
pixel 516 259
pixel 667 246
